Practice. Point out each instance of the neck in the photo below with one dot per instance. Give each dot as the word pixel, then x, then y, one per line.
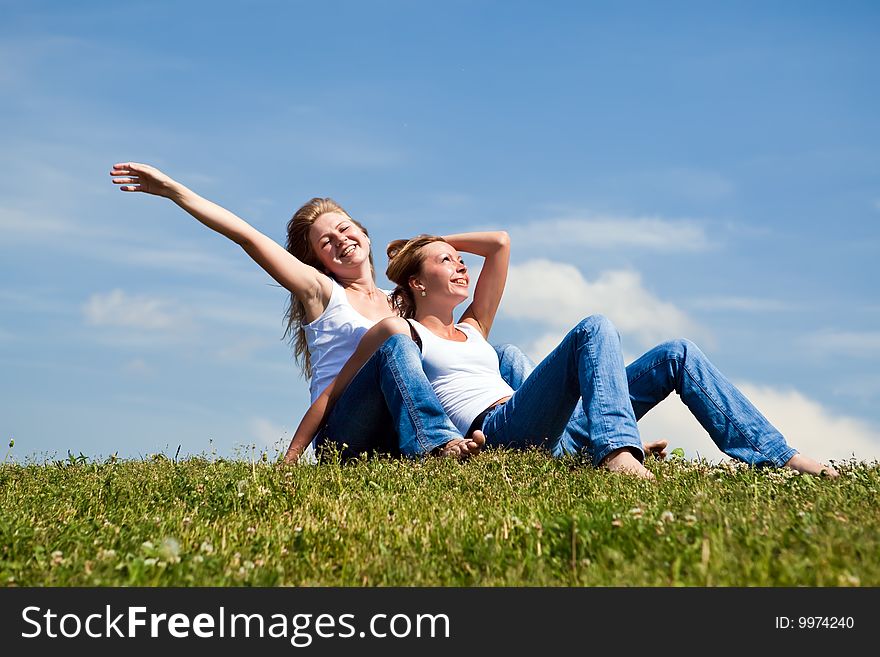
pixel 437 320
pixel 360 281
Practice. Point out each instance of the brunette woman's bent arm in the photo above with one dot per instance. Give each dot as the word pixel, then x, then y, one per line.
pixel 494 246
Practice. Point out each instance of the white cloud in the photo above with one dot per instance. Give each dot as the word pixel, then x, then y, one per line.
pixel 161 406
pixel 694 184
pixel 806 424
pixel 18 57
pixel 139 367
pixel 452 200
pixel 357 153
pixel 18 223
pixel 610 232
pixel 557 297
pixel 847 343
pixel 233 310
pixel 744 304
pixel 863 388
pixel 179 259
pixel 244 349
pixel 269 434
pixel 118 309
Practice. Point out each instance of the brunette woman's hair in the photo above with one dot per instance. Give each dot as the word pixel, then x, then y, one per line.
pixel 405 258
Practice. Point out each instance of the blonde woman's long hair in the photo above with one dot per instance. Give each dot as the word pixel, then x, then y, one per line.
pixel 405 258
pixel 300 246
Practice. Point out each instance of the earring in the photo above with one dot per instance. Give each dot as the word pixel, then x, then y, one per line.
pixel 424 294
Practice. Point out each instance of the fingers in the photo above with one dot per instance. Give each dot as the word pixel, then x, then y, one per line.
pixel 452 451
pixel 128 184
pixel 129 169
pixel 128 166
pixel 462 448
pixel 657 448
pixel 125 175
pixel 452 448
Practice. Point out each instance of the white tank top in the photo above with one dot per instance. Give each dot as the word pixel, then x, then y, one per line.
pixel 464 375
pixel 333 337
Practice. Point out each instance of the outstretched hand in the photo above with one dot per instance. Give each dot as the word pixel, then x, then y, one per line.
pixel 135 177
pixel 656 448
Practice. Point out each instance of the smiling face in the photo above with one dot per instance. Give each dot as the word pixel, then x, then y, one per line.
pixel 442 275
pixel 338 242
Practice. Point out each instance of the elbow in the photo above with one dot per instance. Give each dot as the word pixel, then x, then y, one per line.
pixel 503 239
pixel 244 240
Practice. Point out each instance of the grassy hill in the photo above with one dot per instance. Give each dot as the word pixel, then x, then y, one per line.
pixel 502 519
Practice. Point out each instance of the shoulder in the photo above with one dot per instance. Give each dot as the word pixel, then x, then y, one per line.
pixel 392 325
pixel 472 327
pixel 325 293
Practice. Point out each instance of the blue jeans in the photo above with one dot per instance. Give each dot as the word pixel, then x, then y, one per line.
pixel 731 420
pixel 388 407
pixel 587 365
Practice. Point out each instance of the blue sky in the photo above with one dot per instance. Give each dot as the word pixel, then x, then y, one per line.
pixel 686 169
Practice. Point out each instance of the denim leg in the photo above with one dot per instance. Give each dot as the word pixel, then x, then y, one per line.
pixel 513 364
pixel 732 421
pixel 576 438
pixel 515 367
pixel 389 406
pixel 582 366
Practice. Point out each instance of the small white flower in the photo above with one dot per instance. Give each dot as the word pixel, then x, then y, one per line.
pixel 170 549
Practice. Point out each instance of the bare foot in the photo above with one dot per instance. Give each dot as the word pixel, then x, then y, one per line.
pixel 807 465
pixel 625 462
pixel 453 449
pixel 656 449
pixel 462 448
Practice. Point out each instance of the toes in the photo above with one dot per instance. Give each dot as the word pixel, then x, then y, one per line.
pixel 453 449
pixel 461 448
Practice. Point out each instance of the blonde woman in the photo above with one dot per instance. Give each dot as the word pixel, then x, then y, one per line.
pixel 327 268
pixel 581 397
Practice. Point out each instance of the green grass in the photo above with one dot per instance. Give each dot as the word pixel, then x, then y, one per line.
pixel 502 519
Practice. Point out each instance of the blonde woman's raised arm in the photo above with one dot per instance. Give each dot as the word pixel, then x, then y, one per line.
pixel 494 246
pixel 308 284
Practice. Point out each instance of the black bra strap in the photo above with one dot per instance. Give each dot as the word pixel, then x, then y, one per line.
pixel 415 334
